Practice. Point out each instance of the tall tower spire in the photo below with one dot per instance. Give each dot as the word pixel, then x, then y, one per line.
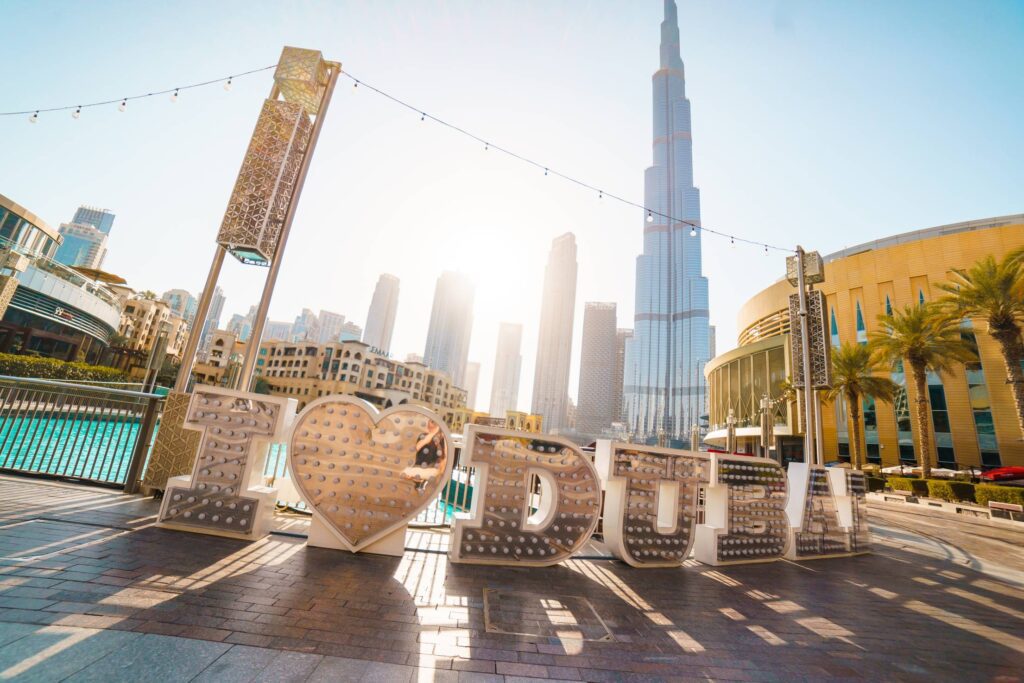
pixel 670 58
pixel 663 386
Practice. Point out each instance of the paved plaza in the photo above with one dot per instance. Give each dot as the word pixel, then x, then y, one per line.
pixel 92 591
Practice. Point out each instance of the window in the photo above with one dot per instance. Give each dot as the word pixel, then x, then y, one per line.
pixel 888 305
pixel 862 333
pixel 834 329
pixel 940 421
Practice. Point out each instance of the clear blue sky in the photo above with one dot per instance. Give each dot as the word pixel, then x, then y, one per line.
pixel 825 123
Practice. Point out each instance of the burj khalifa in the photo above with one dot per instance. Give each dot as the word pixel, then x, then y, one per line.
pixel 663 381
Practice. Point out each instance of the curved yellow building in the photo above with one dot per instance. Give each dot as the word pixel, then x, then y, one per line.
pixel 973 418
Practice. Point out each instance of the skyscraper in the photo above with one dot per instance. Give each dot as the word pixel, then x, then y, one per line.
pixel 554 342
pixel 595 410
pixel 472 381
pixel 84 246
pixel 182 303
pixel 508 362
pixel 380 320
pixel 350 332
pixel 212 321
pixel 306 326
pixel 622 337
pixel 670 334
pixel 101 219
pixel 329 326
pixel 451 324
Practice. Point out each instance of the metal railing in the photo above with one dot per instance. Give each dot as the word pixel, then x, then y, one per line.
pixel 72 431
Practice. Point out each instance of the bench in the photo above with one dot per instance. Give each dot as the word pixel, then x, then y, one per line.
pixel 1012 511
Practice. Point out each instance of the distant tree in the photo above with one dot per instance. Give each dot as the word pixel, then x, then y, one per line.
pixel 993 291
pixel 856 374
pixel 924 338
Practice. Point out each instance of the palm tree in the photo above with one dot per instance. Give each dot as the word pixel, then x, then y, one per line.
pixel 924 338
pixel 856 374
pixel 994 291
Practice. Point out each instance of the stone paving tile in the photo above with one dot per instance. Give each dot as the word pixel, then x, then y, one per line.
pixel 896 614
pixel 153 657
pixel 238 665
pixel 52 653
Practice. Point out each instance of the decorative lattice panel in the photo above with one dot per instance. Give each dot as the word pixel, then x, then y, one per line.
pixel 301 76
pixel 821 349
pixel 174 452
pixel 259 202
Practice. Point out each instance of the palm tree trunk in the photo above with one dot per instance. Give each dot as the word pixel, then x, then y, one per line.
pixel 924 458
pixel 853 402
pixel 1013 350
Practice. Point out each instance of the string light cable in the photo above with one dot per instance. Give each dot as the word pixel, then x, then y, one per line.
pixel 122 102
pixel 488 145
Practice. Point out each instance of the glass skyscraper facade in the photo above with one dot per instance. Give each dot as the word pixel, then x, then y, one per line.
pixel 664 389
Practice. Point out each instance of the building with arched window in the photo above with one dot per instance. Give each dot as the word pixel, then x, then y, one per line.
pixel 974 421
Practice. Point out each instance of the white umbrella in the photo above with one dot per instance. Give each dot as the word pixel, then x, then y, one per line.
pixel 900 469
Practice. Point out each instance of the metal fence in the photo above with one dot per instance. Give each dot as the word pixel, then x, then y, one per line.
pixel 72 431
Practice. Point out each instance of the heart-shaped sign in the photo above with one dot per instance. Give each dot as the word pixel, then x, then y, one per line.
pixel 366 473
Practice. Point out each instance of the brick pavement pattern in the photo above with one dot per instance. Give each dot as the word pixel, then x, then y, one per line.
pixel 89 590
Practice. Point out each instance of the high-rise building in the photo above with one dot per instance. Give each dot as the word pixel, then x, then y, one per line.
pixel 554 342
pixel 712 342
pixel 595 410
pixel 182 303
pixel 622 337
pixel 380 320
pixel 101 219
pixel 471 382
pixel 508 363
pixel 212 321
pixel 277 330
pixel 670 332
pixel 451 325
pixel 350 332
pixel 84 246
pixel 306 327
pixel 329 326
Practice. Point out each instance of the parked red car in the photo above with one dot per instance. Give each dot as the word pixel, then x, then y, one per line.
pixel 1005 475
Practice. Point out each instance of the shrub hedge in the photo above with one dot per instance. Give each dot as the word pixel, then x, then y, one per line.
pixel 919 487
pixel 950 490
pixel 983 493
pixel 875 483
pixel 52 368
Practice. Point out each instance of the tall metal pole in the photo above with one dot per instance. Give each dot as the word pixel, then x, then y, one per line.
pixel 805 343
pixel 819 441
pixel 188 356
pixel 252 349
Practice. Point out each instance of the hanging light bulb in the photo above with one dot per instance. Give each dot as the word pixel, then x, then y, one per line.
pixel 545 171
pixel 732 241
pixel 693 231
pixel 174 97
pixel 76 113
pixel 34 118
pixel 600 194
pixel 123 105
pixel 766 249
pixel 423 116
pixel 227 86
pixel 487 146
pixel 650 216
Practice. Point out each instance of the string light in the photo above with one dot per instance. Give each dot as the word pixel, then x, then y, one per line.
pixel 34 118
pixel 76 113
pixel 423 117
pixel 122 103
pixel 549 171
pixel 693 231
pixel 650 216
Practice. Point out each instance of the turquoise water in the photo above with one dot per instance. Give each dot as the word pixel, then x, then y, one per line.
pixel 74 446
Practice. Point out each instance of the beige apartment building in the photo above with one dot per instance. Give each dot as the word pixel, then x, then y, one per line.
pixel 306 371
